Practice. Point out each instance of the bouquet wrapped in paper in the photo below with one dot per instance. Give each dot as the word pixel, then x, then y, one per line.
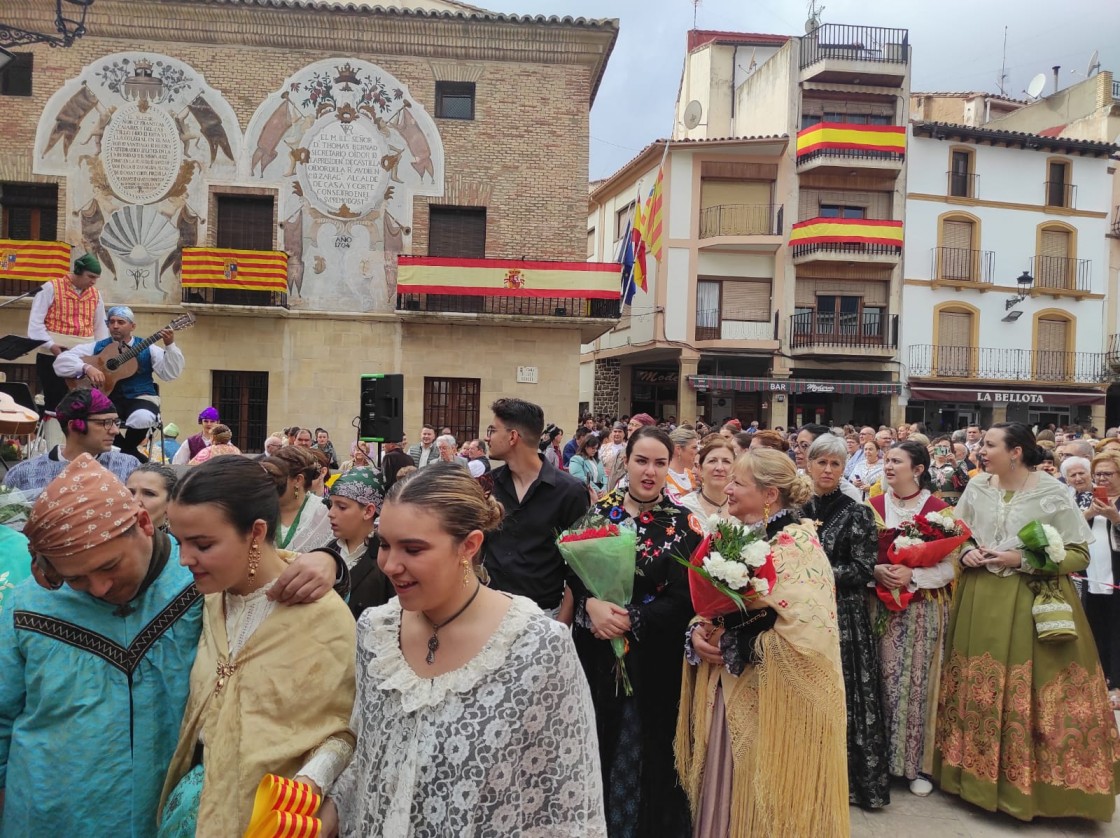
pixel 923 541
pixel 732 566
pixel 603 556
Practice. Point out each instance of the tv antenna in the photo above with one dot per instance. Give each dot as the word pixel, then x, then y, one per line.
pixel 815 13
pixel 1003 67
pixel 1094 64
pixel 695 9
pixel 1034 89
pixel 693 112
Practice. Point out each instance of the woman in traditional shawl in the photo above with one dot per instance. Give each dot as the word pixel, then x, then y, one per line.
pixel 1024 724
pixel 760 745
pixel 271 688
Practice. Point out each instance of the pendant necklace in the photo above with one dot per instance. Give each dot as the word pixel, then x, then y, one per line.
pixel 433 641
pixel 719 506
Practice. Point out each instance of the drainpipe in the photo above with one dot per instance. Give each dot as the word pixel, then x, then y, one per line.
pixel 1056 68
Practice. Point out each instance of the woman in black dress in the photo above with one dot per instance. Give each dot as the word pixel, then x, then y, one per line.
pixel 847 533
pixel 643 796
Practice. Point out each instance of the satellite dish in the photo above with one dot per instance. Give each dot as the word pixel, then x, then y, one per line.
pixel 692 113
pixel 1036 85
pixel 1094 63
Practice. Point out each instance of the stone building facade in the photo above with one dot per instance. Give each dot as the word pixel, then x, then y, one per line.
pixel 343 136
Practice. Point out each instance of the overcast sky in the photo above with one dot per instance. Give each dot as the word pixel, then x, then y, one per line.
pixel 958 45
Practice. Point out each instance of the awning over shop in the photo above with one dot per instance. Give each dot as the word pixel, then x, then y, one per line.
pixel 507 278
pixel 986 396
pixel 793 385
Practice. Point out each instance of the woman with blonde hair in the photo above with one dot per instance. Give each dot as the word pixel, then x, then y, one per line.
pixel 761 746
pixel 304 520
pixel 472 715
pixel 680 479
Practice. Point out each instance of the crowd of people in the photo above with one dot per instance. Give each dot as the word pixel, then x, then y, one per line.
pixel 403 636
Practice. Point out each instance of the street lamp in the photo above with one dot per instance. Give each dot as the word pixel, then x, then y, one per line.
pixel 1025 281
pixel 69 24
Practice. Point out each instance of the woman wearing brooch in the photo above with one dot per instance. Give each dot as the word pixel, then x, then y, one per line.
pixel 760 738
pixel 636 731
pixel 1024 725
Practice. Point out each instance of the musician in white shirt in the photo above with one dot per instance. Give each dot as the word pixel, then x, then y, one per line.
pixel 136 396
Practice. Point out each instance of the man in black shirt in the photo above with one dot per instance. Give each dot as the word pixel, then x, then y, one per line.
pixel 539 502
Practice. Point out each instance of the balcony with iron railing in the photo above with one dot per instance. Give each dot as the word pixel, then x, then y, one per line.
pixel 712 325
pixel 867 240
pixel 844 148
pixel 740 220
pixel 872 55
pixel 1060 194
pixel 510 306
pixel 843 333
pixel 998 364
pixel 1113 354
pixel 1116 91
pixel 962 185
pixel 952 265
pixel 234 297
pixel 1062 273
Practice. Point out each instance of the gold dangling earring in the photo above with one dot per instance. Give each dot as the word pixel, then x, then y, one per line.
pixel 254 559
pixel 766 514
pixel 467 572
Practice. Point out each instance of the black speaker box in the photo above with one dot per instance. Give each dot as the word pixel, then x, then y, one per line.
pixel 382 408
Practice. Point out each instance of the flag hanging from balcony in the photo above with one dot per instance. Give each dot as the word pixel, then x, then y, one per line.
pixel 32 260
pixel 846 231
pixel 506 278
pixel 626 260
pixel 653 218
pixel 244 270
pixel 887 139
pixel 638 237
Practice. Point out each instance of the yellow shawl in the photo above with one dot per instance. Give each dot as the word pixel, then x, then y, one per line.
pixel 292 688
pixel 786 716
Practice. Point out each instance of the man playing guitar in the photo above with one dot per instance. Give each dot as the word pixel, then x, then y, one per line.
pixel 135 397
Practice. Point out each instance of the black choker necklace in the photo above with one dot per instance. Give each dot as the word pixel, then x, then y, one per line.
pixel 433 641
pixel 644 505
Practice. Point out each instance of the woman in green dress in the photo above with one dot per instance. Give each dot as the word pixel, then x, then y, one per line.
pixel 1024 726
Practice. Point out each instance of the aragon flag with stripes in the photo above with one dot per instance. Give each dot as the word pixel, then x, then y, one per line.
pixel 245 270
pixel 33 260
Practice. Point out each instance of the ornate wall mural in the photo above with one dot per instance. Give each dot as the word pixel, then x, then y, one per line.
pixel 143 141
pixel 348 148
pixel 139 136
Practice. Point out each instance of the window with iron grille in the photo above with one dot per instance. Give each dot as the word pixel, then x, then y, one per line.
pixel 454 402
pixel 29 211
pixel 457 231
pixel 455 99
pixel 15 79
pixel 244 222
pixel 242 402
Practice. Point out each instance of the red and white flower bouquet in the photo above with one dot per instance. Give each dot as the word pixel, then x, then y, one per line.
pixel 923 541
pixel 732 566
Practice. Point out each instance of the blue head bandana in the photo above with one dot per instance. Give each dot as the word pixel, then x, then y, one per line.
pixel 121 311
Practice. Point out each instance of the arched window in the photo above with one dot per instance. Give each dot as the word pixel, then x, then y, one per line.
pixel 958 247
pixel 1053 345
pixel 955 335
pixel 1055 264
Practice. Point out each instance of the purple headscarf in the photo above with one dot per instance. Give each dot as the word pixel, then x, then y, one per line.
pixel 210 414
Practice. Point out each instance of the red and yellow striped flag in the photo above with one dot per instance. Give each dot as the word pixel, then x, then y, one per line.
pixel 653 217
pixel 246 270
pixel 638 236
pixel 842 136
pixel 31 260
pixel 846 231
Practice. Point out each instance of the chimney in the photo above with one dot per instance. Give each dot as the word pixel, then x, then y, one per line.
pixel 1056 68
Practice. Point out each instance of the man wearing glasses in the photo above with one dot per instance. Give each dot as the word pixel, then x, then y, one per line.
pixel 90 424
pixel 539 500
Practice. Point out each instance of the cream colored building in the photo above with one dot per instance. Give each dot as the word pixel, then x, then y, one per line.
pixel 344 136
pixel 778 296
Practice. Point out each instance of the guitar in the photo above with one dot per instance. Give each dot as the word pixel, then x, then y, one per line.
pixel 117 363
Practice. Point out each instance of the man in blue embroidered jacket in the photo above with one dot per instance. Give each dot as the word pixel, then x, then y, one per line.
pixel 94 673
pixel 136 397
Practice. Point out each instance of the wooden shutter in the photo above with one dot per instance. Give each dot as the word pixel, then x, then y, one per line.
pixel 1051 358
pixel 1054 266
pixel 956 250
pixel 957 234
pixel 457 231
pixel 746 301
pixel 954 343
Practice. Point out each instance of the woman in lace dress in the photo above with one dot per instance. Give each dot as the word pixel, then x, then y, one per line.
pixel 1024 725
pixel 847 532
pixel 272 688
pixel 472 714
pixel 636 731
pixel 912 641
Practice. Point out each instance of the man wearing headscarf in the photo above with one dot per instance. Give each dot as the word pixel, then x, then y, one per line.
pixel 65 311
pixel 136 397
pixel 95 661
pixel 356 499
pixel 190 449
pixel 89 423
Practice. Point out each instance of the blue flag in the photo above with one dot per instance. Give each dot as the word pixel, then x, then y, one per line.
pixel 626 259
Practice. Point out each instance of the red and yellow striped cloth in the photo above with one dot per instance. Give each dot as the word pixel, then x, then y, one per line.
pixel 284 808
pixel 246 270
pixel 846 231
pixel 844 135
pixel 32 260
pixel 507 278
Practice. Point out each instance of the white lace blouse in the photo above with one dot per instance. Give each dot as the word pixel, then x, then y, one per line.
pixel 504 745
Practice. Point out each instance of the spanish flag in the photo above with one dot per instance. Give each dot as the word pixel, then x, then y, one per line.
pixel 850 137
pixel 506 278
pixel 638 235
pixel 245 270
pixel 846 231
pixel 32 260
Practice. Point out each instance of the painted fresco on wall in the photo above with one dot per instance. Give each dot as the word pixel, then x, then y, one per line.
pixel 138 136
pixel 348 148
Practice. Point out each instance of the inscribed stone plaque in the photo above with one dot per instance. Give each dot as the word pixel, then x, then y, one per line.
pixel 343 176
pixel 141 152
